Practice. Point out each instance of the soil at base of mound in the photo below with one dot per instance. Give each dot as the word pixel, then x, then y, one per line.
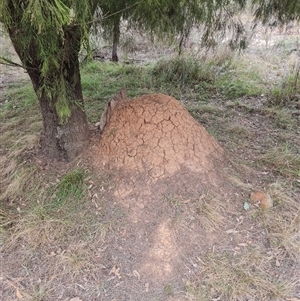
pixel 163 228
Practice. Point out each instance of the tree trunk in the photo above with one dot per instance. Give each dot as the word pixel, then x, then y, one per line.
pixel 60 140
pixel 116 39
pixel 63 141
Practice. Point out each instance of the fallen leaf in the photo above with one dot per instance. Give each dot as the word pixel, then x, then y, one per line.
pixel 136 274
pixel 232 231
pixel 19 295
pixel 95 203
pixel 115 271
pixel 75 299
pixel 246 206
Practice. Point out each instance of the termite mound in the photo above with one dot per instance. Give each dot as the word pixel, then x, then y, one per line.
pixel 156 134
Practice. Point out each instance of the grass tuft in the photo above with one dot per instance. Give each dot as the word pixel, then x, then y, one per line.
pixel 282 160
pixel 287 90
pixel 185 72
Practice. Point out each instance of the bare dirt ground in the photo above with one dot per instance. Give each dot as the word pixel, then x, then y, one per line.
pixel 170 199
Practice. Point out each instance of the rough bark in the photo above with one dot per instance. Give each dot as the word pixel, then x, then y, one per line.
pixel 116 39
pixel 62 141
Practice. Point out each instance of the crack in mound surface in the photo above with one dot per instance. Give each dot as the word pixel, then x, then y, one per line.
pixel 156 134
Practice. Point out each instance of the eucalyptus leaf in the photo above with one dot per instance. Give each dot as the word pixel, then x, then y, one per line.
pixel 246 206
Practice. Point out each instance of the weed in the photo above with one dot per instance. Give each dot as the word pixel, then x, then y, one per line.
pixel 241 79
pixel 281 117
pixel 233 87
pixel 168 290
pixel 71 184
pixel 202 108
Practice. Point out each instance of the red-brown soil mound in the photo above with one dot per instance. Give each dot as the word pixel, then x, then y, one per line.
pixel 162 156
pixel 155 134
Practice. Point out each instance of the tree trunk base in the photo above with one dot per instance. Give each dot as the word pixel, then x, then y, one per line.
pixel 65 142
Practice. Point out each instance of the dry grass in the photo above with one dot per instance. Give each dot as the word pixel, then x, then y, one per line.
pixel 56 241
pixel 209 211
pixel 254 270
pixel 244 276
pixel 284 222
pixel 283 160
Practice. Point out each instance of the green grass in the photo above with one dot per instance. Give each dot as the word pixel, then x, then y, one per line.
pixel 287 90
pixel 235 87
pixel 70 190
pixel 187 75
pixel 101 81
pixel 183 73
pixel 19 97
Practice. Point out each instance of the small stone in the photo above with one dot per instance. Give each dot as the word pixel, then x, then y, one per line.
pixel 261 199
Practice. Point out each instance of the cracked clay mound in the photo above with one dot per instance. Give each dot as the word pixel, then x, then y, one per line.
pixel 156 134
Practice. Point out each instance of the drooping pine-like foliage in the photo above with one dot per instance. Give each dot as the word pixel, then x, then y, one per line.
pixel 39 30
pixel 282 11
pixel 167 19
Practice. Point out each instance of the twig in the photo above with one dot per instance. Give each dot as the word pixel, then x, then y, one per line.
pixel 8 62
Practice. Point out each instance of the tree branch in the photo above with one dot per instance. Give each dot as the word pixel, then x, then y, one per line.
pixel 7 62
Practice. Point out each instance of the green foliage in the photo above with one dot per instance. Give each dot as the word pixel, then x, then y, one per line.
pixel 185 72
pixel 282 11
pixel 46 34
pixel 68 191
pixel 168 19
pixel 236 87
pixel 71 184
pixel 288 90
